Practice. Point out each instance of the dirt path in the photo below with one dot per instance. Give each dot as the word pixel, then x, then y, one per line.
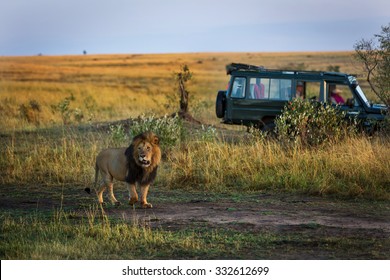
pixel 256 211
pixel 266 212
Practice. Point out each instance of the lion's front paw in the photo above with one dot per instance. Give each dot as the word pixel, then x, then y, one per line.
pixel 146 205
pixel 133 201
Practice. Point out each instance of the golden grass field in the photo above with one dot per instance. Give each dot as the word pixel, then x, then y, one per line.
pixel 42 92
pixel 113 87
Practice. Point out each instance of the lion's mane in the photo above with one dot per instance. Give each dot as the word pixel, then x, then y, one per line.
pixel 136 173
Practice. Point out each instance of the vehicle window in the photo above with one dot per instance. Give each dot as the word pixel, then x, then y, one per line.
pixel 313 90
pixel 265 88
pixel 238 88
pixel 308 90
pixel 257 88
pixel 280 89
pixel 341 95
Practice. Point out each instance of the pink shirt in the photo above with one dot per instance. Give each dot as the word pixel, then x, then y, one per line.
pixel 337 98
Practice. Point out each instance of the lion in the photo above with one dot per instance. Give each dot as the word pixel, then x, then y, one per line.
pixel 134 165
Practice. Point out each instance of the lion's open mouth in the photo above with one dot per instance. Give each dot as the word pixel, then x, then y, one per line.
pixel 144 162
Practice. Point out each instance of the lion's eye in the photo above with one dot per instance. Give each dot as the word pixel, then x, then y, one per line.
pixel 148 148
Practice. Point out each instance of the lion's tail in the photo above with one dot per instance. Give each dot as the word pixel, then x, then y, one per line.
pixel 87 189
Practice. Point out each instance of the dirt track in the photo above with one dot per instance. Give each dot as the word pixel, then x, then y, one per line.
pixel 266 211
pixel 256 211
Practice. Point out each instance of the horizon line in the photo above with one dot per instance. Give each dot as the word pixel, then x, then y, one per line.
pixel 173 53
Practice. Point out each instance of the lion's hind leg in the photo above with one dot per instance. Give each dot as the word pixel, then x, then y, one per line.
pixel 106 182
pixel 112 196
pixel 101 191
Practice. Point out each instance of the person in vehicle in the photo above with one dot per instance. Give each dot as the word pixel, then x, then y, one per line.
pixel 258 90
pixel 336 98
pixel 300 91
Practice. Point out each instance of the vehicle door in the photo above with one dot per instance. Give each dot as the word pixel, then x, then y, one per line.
pixel 342 95
pixel 236 99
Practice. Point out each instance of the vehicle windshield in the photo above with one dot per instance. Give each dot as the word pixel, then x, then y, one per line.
pixel 362 95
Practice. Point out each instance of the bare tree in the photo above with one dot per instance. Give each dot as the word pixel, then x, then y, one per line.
pixel 182 78
pixel 375 56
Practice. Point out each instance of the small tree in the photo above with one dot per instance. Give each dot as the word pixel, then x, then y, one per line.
pixel 182 78
pixel 375 56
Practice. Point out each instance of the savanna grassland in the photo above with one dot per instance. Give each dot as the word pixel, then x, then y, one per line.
pixel 57 112
pixel 34 90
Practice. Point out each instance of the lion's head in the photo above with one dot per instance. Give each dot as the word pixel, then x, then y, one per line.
pixel 146 153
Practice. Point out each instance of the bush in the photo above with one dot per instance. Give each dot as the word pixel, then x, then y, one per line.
pixel 208 133
pixel 169 129
pixel 67 113
pixel 31 112
pixel 118 134
pixel 312 123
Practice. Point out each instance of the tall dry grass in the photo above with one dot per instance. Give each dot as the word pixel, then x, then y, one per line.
pixel 48 160
pixel 357 167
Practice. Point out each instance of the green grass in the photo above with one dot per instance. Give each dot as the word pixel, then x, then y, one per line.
pixel 66 235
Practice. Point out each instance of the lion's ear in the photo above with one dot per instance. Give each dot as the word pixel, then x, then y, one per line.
pixel 156 140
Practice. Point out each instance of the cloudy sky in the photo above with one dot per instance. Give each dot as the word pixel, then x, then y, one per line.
pixel 29 27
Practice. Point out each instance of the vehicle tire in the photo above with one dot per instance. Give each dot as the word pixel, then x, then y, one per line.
pixel 220 104
pixel 270 129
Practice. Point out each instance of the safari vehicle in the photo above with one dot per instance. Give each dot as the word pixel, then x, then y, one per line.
pixel 256 96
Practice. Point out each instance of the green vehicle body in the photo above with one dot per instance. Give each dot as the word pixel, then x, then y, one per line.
pixel 238 105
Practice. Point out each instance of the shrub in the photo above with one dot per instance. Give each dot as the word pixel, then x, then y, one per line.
pixel 312 123
pixel 259 135
pixel 333 68
pixel 169 129
pixel 208 133
pixel 67 113
pixel 118 134
pixel 31 112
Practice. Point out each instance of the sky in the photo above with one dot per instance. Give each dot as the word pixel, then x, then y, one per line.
pixel 60 27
